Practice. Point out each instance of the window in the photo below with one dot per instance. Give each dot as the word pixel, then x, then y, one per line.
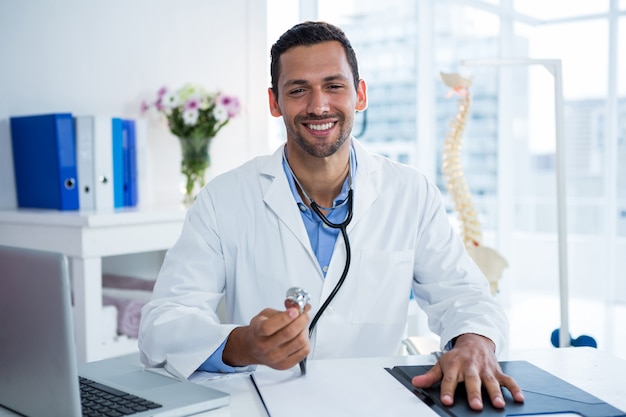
pixel 547 10
pixel 509 150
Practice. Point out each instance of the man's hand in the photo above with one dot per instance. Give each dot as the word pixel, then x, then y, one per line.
pixel 278 339
pixel 473 361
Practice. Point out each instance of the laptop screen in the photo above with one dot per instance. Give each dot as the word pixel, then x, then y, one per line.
pixel 37 351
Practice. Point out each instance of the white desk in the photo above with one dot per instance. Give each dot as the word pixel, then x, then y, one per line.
pixel 87 237
pixel 592 370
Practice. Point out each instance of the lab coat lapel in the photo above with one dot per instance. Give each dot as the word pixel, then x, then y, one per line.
pixel 365 191
pixel 278 198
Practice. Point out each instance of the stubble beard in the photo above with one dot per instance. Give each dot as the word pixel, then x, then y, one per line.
pixel 319 149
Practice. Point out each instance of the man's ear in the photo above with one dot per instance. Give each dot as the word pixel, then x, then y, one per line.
pixel 361 96
pixel 273 101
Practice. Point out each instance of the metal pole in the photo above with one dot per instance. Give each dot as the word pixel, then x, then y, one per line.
pixel 554 67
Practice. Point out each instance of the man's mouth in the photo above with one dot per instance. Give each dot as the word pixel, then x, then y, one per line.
pixel 320 126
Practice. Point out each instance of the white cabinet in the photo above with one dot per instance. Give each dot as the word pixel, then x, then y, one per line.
pixel 85 238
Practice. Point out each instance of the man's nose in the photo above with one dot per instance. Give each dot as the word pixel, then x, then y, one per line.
pixel 318 102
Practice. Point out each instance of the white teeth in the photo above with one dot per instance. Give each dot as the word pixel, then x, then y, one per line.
pixel 325 126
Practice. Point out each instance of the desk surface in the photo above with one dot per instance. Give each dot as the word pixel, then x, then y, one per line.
pixel 592 370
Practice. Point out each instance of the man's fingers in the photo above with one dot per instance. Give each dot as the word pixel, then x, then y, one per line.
pixel 474 384
pixel 474 393
pixel 448 386
pixel 515 390
pixel 472 361
pixel 428 379
pixel 492 386
pixel 296 351
pixel 270 322
pixel 279 339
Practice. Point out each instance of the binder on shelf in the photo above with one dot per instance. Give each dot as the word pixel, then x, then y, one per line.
pixel 141 149
pixel 83 132
pixel 94 161
pixel 117 151
pixel 130 163
pixel 44 161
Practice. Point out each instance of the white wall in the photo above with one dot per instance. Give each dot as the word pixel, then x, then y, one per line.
pixel 106 56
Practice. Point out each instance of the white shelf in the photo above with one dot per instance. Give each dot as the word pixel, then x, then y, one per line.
pixel 85 238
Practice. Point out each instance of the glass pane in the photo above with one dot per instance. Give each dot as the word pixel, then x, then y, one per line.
pixel 384 36
pixel 281 15
pixel 583 48
pixel 545 10
pixel 620 260
pixel 583 51
pixel 621 141
pixel 463 33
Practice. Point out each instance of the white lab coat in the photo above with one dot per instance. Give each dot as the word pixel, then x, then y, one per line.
pixel 244 238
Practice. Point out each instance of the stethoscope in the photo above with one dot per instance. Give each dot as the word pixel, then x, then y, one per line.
pixel 342 227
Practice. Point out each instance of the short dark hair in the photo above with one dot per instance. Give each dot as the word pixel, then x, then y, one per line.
pixel 310 33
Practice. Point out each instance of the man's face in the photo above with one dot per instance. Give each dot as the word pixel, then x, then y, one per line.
pixel 316 97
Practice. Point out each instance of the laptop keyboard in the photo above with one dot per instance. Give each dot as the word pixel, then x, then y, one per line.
pixel 99 400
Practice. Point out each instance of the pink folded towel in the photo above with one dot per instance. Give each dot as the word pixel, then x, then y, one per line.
pixel 129 283
pixel 128 304
pixel 128 295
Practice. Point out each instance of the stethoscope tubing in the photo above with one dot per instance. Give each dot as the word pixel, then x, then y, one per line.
pixel 344 233
pixel 342 227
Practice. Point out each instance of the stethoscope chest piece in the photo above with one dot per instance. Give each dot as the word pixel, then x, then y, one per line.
pixel 297 298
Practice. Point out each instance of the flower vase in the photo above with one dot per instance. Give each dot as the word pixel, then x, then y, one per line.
pixel 194 163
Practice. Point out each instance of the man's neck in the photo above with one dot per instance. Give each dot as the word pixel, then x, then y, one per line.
pixel 321 178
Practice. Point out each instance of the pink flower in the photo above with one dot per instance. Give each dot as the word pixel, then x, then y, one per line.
pixel 193 110
pixel 161 92
pixel 192 104
pixel 144 107
pixel 231 104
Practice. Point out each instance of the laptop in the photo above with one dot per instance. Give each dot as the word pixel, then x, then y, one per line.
pixel 39 374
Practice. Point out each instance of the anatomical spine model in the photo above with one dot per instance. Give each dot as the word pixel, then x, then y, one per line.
pixel 488 260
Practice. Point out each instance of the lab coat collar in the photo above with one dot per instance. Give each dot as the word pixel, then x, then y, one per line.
pixel 278 198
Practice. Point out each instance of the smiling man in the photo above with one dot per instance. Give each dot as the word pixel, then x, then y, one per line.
pixel 275 223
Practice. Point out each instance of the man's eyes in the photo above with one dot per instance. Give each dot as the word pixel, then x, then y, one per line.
pixel 299 91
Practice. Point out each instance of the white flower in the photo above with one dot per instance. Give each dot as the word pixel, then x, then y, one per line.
pixel 170 100
pixel 205 102
pixel 190 116
pixel 191 90
pixel 220 113
pixel 193 111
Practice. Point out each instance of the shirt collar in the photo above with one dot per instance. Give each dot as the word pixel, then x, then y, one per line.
pixel 343 194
